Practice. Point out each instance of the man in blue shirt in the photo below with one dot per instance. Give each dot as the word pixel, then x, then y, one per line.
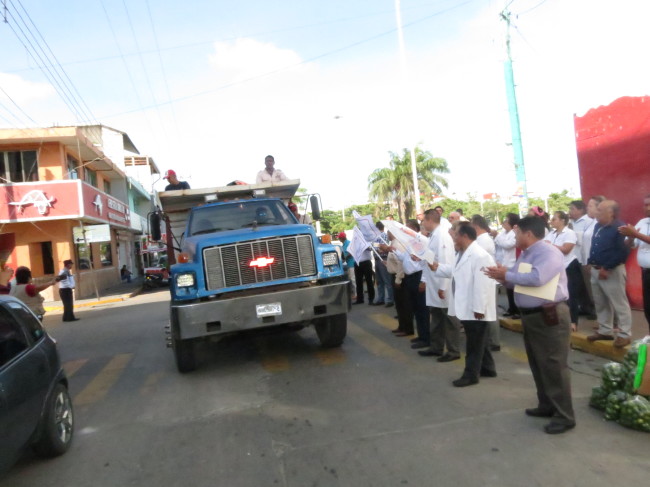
pixel 546 322
pixel 349 261
pixel 608 276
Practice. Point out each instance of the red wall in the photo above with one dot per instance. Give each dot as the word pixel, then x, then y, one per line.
pixel 613 144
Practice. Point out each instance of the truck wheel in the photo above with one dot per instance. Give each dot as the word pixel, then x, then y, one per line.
pixel 58 424
pixel 184 355
pixel 332 330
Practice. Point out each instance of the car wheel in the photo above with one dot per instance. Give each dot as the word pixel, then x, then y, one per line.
pixel 331 331
pixel 58 424
pixel 184 355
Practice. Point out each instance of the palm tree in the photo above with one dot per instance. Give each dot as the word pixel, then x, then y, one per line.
pixel 395 183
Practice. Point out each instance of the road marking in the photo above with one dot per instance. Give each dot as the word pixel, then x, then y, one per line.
pixel 150 383
pixel 374 344
pixel 331 356
pixel 384 320
pixel 73 366
pixel 275 363
pixel 99 386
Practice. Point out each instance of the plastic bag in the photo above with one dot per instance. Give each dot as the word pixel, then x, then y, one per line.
pixel 613 376
pixel 635 413
pixel 614 403
pixel 598 398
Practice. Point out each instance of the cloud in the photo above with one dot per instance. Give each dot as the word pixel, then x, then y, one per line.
pixel 22 90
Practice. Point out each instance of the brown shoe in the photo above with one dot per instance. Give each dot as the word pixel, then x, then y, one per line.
pixel 620 342
pixel 598 336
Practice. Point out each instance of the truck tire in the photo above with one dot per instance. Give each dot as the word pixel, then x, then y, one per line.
pixel 331 331
pixel 184 354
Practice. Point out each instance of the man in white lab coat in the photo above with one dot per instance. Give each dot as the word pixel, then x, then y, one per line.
pixel 443 329
pixel 473 302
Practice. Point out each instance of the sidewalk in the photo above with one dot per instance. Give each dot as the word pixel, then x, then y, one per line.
pixel 114 294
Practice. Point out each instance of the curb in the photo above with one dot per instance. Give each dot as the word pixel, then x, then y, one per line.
pixel 604 349
pixel 122 297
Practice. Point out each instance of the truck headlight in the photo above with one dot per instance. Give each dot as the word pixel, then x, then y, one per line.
pixel 330 259
pixel 185 280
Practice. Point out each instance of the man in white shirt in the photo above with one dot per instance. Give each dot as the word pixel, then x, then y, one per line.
pixel 583 225
pixel 66 286
pixel 444 330
pixel 306 219
pixel 270 174
pixel 473 302
pixel 484 239
pixel 639 236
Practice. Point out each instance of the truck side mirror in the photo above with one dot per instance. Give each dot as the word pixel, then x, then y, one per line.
pixel 315 207
pixel 154 226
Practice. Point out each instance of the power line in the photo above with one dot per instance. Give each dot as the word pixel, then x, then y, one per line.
pixel 17 106
pixel 74 88
pixel 286 68
pixel 51 77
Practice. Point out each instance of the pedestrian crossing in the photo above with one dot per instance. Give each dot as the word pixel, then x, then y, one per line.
pixel 95 378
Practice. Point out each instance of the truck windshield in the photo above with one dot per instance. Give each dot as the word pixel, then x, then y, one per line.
pixel 241 214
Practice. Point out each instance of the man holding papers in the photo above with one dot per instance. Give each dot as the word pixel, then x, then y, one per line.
pixel 540 286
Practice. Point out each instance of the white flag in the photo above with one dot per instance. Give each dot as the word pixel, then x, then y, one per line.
pixel 370 231
pixel 416 244
pixel 358 245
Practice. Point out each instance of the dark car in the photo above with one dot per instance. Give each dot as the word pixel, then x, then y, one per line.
pixel 35 407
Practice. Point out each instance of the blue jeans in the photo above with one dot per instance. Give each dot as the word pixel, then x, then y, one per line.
pixel 384 283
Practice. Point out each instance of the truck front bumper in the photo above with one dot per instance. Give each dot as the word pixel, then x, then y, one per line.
pixel 230 315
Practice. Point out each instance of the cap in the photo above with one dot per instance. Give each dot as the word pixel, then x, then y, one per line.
pixel 170 173
pixel 342 235
pixel 292 207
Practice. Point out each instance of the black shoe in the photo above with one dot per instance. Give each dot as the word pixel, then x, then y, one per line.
pixel 464 382
pixel 416 339
pixel 429 353
pixel 495 348
pixel 390 305
pixel 419 344
pixel 396 330
pixel 488 373
pixel 358 302
pixel 448 358
pixel 539 413
pixel 557 428
pixel 378 304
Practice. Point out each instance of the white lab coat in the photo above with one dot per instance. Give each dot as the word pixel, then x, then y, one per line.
pixel 474 291
pixel 506 244
pixel 443 246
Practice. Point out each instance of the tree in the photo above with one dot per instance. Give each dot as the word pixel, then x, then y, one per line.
pixel 394 184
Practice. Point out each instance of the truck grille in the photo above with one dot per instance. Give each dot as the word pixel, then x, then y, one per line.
pixel 229 265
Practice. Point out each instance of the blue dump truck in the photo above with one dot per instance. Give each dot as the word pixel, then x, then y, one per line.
pixel 241 261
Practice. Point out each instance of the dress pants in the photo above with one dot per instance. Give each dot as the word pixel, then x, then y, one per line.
pixel 68 303
pixel 478 357
pixel 402 307
pixel 384 283
pixel 352 279
pixel 645 277
pixel 547 348
pixel 512 307
pixel 586 297
pixel 418 301
pixel 444 331
pixel 363 271
pixel 575 282
pixel 611 301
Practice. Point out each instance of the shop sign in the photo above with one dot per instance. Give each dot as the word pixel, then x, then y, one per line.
pixel 92 234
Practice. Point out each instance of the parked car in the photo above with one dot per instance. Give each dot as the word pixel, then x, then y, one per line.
pixel 35 407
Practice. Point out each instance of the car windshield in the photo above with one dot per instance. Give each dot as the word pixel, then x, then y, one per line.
pixel 220 218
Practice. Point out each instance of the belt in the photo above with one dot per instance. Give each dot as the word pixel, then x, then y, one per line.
pixel 538 309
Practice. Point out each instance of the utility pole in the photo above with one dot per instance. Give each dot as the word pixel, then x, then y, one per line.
pixel 514 119
pixel 402 50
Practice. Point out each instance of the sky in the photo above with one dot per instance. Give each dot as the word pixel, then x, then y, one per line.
pixel 210 87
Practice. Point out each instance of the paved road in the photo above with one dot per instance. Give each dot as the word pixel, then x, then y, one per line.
pixel 277 410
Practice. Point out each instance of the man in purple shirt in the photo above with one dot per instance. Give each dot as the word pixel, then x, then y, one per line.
pixel 546 323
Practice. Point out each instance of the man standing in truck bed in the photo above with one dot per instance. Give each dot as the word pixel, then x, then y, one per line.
pixel 270 174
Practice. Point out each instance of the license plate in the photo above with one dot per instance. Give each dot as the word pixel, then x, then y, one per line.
pixel 271 309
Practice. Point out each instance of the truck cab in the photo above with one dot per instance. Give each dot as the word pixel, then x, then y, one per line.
pixel 245 263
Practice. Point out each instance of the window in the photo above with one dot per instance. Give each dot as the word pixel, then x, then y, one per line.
pixel 90 177
pixel 107 186
pixel 48 260
pixel 12 337
pixel 73 164
pixel 84 256
pixel 106 254
pixel 18 166
pixel 30 324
